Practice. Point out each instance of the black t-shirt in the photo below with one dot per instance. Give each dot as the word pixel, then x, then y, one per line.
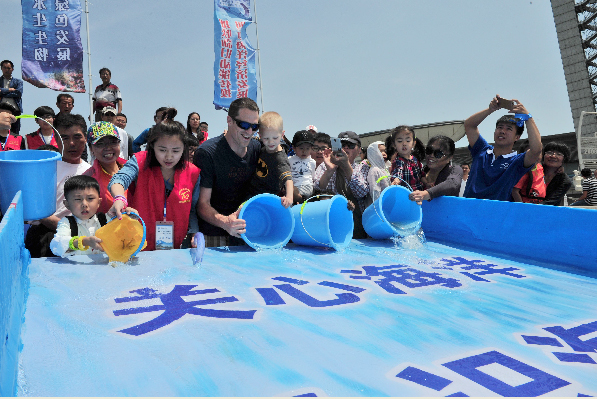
pixel 272 172
pixel 227 174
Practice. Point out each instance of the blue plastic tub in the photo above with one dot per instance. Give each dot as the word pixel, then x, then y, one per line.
pixel 325 223
pixel 269 224
pixel 33 172
pixel 392 214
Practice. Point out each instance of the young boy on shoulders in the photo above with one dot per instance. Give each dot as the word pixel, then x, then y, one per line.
pixel 496 169
pixel 75 234
pixel 273 170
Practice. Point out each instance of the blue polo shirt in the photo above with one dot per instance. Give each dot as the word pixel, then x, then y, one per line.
pixel 490 177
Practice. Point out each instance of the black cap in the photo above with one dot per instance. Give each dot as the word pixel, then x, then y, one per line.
pixel 303 136
pixel 349 136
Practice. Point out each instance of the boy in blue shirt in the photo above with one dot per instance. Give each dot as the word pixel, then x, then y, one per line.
pixel 496 169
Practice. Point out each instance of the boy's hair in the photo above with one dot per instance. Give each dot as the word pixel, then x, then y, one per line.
pixel 192 141
pixel 240 103
pixel 10 108
pixel 43 110
pixel 402 128
pixel 167 127
pixel 80 182
pixel 66 96
pixel 445 143
pixel 586 172
pixel 323 138
pixel 69 120
pixel 510 119
pixel 558 146
pixel 105 69
pixel 271 120
pixel 203 123
pixel 121 114
pixel 48 147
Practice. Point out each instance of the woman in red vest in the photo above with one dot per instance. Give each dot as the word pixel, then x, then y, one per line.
pixel 45 133
pixel 104 143
pixel 162 185
pixel 8 140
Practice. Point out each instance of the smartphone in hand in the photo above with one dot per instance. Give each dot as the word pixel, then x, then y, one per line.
pixel 507 104
pixel 336 145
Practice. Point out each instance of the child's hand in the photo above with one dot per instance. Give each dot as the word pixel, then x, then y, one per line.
pixel 350 206
pixel 327 159
pixel 287 201
pixel 93 242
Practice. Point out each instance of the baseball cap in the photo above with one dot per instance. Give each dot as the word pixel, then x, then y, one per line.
pixel 99 130
pixel 109 109
pixel 311 127
pixel 350 137
pixel 302 136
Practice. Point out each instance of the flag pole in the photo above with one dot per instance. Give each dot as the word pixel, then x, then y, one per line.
pixel 258 52
pixel 89 62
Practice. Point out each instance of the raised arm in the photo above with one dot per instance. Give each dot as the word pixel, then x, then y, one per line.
pixel 533 154
pixel 471 124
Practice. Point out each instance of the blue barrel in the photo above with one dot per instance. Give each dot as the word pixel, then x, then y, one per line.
pixel 269 224
pixel 325 223
pixel 34 173
pixel 392 214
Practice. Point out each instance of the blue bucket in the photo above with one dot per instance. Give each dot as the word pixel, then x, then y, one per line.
pixel 34 173
pixel 326 223
pixel 392 214
pixel 269 224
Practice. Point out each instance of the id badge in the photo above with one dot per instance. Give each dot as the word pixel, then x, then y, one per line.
pixel 164 235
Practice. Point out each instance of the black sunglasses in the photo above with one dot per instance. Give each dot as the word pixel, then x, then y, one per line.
pixel 348 144
pixel 436 153
pixel 246 125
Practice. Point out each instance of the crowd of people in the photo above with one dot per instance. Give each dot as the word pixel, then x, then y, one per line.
pixel 184 182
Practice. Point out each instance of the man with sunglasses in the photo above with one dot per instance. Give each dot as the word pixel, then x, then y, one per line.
pixel 227 163
pixel 352 183
pixel 496 168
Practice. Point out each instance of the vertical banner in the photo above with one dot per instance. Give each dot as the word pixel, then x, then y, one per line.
pixel 52 50
pixel 234 66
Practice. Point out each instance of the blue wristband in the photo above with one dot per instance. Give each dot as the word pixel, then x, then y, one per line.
pixel 523 118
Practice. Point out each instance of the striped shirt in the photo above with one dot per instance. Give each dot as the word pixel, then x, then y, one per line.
pixel 590 185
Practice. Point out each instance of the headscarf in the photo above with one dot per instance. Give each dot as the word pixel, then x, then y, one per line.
pixel 376 171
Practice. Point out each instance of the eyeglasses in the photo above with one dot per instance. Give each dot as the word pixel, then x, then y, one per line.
pixel 349 145
pixel 246 125
pixel 317 149
pixel 555 154
pixel 436 153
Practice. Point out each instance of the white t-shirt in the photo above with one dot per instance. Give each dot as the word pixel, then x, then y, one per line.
pixel 303 170
pixel 64 171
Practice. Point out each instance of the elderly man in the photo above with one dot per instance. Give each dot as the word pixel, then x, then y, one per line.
pixel 340 174
pixel 227 163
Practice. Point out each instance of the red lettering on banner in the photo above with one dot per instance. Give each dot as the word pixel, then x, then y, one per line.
pixel 225 64
pixel 242 93
pixel 226 43
pixel 225 53
pixel 225 84
pixel 226 33
pixel 224 23
pixel 241 74
pixel 239 25
pixel 242 84
pixel 224 73
pixel 240 45
pixel 241 64
pixel 242 54
pixel 225 93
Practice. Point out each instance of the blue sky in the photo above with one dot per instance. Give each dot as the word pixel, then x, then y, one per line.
pixel 340 65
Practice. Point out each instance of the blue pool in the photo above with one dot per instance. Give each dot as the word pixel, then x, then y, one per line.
pixel 448 317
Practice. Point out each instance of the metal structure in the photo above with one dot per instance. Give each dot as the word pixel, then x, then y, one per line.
pixel 576 26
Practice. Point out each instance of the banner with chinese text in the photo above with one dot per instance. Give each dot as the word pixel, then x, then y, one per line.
pixel 234 66
pixel 52 50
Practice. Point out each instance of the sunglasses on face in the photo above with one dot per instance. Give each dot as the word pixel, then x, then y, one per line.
pixel 246 125
pixel 436 153
pixel 348 144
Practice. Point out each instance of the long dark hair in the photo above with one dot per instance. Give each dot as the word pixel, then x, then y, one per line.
pixel 167 127
pixel 200 133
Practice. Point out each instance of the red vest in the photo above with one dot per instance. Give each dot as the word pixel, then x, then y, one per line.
pixel 103 178
pixel 34 140
pixel 147 196
pixel 12 143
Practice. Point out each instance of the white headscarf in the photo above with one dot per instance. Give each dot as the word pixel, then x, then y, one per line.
pixel 377 170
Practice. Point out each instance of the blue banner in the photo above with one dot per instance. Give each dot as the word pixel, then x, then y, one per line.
pixel 52 50
pixel 234 66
